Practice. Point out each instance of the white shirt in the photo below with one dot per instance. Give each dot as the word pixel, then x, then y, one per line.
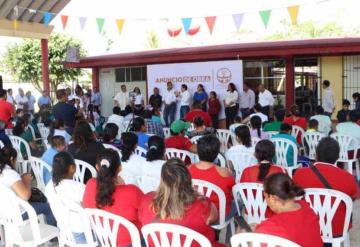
pixel 31 103
pixel 152 170
pixel 132 168
pixel 231 98
pixel 328 101
pixel 63 133
pixel 122 99
pixel 324 123
pixel 10 99
pixel 9 177
pixel 247 99
pixel 19 100
pixel 263 117
pixel 238 163
pixel 138 99
pixel 234 126
pixel 266 98
pixel 169 96
pixel 185 98
pixel 118 120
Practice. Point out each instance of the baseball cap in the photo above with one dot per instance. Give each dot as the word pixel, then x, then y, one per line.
pixel 179 125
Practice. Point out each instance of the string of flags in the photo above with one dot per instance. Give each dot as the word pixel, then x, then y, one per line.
pixel 265 16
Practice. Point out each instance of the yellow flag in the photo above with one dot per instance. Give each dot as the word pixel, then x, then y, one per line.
pixel 293 12
pixel 15 24
pixel 120 24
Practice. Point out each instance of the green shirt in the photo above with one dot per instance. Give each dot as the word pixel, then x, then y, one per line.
pixel 273 126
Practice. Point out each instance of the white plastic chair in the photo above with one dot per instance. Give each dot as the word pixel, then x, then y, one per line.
pixel 18 231
pixel 282 147
pixel 9 132
pixel 141 151
pixel 178 153
pixel 44 132
pixel 251 195
pixel 195 139
pixel 24 164
pixel 147 183
pixel 81 167
pixel 167 132
pixel 296 130
pixel 312 139
pixel 259 240
pixel 106 226
pixel 271 133
pixel 224 136
pixel 40 125
pixel 325 203
pixel 32 131
pixel 254 141
pixel 109 146
pixel 159 233
pixel 240 161
pixel 38 167
pixel 348 143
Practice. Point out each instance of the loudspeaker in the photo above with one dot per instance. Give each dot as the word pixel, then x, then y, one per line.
pixel 1 82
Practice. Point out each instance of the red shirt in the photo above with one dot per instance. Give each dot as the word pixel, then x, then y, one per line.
pixel 198 113
pixel 212 175
pixel 6 111
pixel 214 106
pixel 339 179
pixel 179 142
pixel 127 199
pixel 301 122
pixel 300 226
pixel 195 217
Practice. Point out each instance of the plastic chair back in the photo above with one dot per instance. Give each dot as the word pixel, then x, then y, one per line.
pixel 81 167
pixel 240 161
pixel 260 240
pixel 312 139
pixel 109 146
pixel 17 142
pixel 178 153
pixel 141 151
pixel 224 136
pixel 167 132
pixel 296 131
pixel 39 167
pixel 282 147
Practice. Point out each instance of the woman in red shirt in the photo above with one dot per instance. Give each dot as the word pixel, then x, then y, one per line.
pixel 296 119
pixel 293 220
pixel 109 192
pixel 214 109
pixel 176 202
pixel 208 149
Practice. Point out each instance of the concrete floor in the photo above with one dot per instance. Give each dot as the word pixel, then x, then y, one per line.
pixel 355 231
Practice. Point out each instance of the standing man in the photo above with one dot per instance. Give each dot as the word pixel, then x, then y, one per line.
pixel 10 97
pixel 328 101
pixel 185 99
pixel 122 99
pixel 170 104
pixel 96 98
pixel 44 100
pixel 6 109
pixel 156 100
pixel 266 99
pixel 31 102
pixel 21 100
pixel 247 100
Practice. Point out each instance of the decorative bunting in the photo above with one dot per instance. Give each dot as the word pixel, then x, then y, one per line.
pixel 210 21
pixel 293 12
pixel 47 18
pixel 100 22
pixel 265 16
pixel 186 23
pixel 238 18
pixel 120 24
pixel 82 21
pixel 64 19
pixel 15 24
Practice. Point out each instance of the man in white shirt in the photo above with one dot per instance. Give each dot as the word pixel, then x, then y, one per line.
pixel 169 98
pixel 115 118
pixel 323 120
pixel 266 99
pixel 185 99
pixel 122 98
pixel 328 101
pixel 31 102
pixel 10 97
pixel 258 112
pixel 21 99
pixel 247 100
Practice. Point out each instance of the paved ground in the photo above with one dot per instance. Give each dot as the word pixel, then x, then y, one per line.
pixel 355 231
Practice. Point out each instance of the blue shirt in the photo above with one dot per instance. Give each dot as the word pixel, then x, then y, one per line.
pixel 290 153
pixel 5 139
pixel 200 96
pixel 143 140
pixel 66 112
pixel 44 101
pixel 48 157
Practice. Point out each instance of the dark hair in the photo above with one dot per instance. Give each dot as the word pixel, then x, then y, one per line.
pixel 201 86
pixel 18 111
pixel 214 93
pixel 147 114
pixel 116 110
pixel 129 141
pixel 57 141
pixel 3 93
pixel 109 163
pixel 9 90
pixel 327 150
pixel 196 104
pixel 19 127
pixel 5 158
pixel 110 132
pixel 285 127
pixel 57 124
pixel 198 121
pixel 91 112
pixel 138 123
pixel 354 115
pixel 295 110
pixel 280 114
pixel 346 102
pixel 258 107
pixel 82 134
pixel 184 86
pixel 264 151
pixel 313 124
pixel 255 123
pixel 60 93
pixel 326 83
pixel 156 149
pixel 232 87
pixel 208 148
pixel 60 168
pixel 356 95
pixel 282 186
pixel 319 110
pixel 238 119
pixel 243 133
pixel 136 90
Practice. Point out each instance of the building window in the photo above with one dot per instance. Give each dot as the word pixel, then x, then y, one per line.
pixel 351 77
pixel 130 74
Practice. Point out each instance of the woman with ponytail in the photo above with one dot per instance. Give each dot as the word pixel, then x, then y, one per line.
pixel 109 192
pixel 256 129
pixel 293 220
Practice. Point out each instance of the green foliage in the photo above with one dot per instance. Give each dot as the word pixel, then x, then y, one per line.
pixel 152 40
pixel 23 61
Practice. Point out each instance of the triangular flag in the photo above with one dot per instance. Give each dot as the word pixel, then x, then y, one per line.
pixel 265 16
pixel 15 24
pixel 120 24
pixel 64 19
pixel 186 23
pixel 293 12
pixel 82 21
pixel 100 22
pixel 210 21
pixel 47 18
pixel 238 18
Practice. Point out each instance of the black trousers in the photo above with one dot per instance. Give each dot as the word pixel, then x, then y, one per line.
pixel 215 121
pixel 230 114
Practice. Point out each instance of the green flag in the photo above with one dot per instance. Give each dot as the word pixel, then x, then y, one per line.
pixel 100 22
pixel 265 16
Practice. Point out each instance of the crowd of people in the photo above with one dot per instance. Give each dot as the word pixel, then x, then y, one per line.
pixel 78 131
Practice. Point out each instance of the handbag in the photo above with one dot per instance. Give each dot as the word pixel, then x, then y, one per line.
pixel 321 177
pixel 37 196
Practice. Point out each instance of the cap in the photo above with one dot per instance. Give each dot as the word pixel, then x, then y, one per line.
pixel 179 125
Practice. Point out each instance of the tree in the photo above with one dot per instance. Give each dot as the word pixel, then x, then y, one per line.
pixel 23 61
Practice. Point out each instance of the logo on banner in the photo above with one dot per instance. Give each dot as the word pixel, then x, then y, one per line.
pixel 224 75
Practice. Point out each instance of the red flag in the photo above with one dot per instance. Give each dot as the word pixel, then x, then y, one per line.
pixel 210 21
pixel 64 19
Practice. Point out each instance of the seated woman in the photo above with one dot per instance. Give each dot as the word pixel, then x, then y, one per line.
pixel 58 129
pixel 296 119
pixel 208 149
pixel 256 130
pixel 109 192
pixel 110 133
pixel 21 185
pixel 176 202
pixel 63 185
pixel 200 129
pixel 280 193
